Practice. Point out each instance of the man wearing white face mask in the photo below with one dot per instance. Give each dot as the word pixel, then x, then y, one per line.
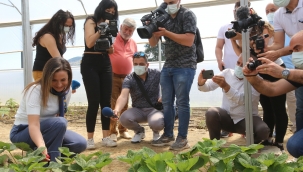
pixel 287 20
pixel 231 115
pixel 290 97
pixel 143 110
pixel 122 64
pixel 292 80
pixel 178 71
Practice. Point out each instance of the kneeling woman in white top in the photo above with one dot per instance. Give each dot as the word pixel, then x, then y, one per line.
pixel 40 120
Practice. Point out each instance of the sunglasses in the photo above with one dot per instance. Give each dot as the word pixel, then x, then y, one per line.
pixel 139 54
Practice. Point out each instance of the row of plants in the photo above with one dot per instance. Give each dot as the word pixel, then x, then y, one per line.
pixel 208 155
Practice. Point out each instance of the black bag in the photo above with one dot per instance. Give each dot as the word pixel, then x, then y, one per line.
pixel 197 41
pixel 199 47
pixel 157 105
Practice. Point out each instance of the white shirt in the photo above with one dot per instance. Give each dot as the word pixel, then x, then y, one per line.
pixel 233 100
pixel 31 104
pixel 229 56
pixel 289 22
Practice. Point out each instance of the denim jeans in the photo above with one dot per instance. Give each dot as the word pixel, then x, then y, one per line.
pixel 176 82
pixel 294 144
pixel 299 110
pixel 54 134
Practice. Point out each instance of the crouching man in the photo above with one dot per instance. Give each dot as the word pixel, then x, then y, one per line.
pixel 142 110
pixel 231 115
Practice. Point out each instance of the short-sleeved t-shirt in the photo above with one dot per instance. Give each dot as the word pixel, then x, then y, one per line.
pixel 177 55
pixel 230 58
pixel 31 104
pixel 289 22
pixel 151 85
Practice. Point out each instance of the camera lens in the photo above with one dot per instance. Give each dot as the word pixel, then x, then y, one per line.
pixel 251 66
pixel 230 34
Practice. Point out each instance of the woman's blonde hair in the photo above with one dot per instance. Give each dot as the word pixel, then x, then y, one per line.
pixel 52 66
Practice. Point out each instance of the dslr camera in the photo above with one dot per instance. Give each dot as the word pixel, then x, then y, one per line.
pixel 152 21
pixel 107 32
pixel 260 44
pixel 245 21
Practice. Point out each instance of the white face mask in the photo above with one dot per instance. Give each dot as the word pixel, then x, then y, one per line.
pixel 239 72
pixel 281 3
pixel 297 59
pixel 172 8
pixel 270 17
pixel 139 70
pixel 66 29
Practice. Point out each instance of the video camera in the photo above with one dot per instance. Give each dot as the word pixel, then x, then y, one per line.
pixel 156 19
pixel 245 21
pixel 260 44
pixel 107 32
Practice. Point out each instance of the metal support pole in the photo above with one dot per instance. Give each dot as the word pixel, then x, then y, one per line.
pixel 27 47
pixel 247 86
pixel 160 55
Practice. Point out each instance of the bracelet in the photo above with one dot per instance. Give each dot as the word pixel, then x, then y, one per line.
pixel 250 75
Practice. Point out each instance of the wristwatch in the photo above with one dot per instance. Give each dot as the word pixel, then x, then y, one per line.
pixel 285 73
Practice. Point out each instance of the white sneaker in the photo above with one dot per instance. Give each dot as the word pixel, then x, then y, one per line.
pixel 156 136
pixel 138 137
pixel 90 144
pixel 108 142
pixel 113 137
pixel 125 135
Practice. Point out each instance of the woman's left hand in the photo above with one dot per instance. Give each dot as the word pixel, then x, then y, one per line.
pixel 110 50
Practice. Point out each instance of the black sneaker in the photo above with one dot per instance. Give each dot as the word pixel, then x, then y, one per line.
pixel 281 147
pixel 225 134
pixel 267 143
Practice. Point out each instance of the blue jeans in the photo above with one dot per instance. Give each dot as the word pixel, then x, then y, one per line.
pixel 294 144
pixel 176 82
pixel 54 134
pixel 299 109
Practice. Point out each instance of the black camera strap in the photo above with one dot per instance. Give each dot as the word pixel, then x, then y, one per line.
pixel 142 89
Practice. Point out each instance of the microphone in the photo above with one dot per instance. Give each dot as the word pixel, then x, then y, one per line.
pixel 75 84
pixel 242 13
pixel 108 112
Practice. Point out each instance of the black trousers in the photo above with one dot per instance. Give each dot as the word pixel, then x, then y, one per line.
pixel 274 112
pixel 218 119
pixel 96 73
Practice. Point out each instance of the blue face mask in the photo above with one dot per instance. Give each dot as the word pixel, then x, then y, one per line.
pixel 297 59
pixel 239 72
pixel 270 18
pixel 139 70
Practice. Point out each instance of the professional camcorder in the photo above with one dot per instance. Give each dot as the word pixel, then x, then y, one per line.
pixel 107 32
pixel 152 21
pixel 245 21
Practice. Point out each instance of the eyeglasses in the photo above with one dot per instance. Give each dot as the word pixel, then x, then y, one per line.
pixel 139 54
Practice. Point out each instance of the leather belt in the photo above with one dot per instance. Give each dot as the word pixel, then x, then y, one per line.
pixel 119 75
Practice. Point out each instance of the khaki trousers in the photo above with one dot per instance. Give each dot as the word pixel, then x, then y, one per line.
pixel 116 90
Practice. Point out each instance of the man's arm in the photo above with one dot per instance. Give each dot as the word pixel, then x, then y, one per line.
pixel 277 49
pixel 219 53
pixel 153 40
pixel 186 39
pixel 296 75
pixel 121 101
pixel 270 89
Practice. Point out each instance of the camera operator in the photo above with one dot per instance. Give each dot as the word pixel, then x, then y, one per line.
pixel 287 19
pixel 292 79
pixel 178 72
pixel 231 115
pixel 274 109
pixel 96 71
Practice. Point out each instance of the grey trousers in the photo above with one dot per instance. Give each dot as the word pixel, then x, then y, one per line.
pixel 218 119
pixel 131 118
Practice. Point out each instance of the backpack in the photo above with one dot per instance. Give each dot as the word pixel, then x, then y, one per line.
pixel 197 41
